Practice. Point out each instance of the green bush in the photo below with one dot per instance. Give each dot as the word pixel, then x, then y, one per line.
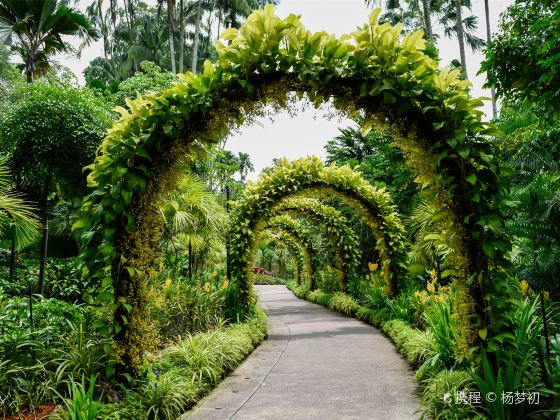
pixel 402 307
pixel 264 279
pixel 341 302
pixel 415 345
pixel 182 308
pixel 371 316
pixel 328 280
pixel 439 397
pixel 167 395
pixel 318 296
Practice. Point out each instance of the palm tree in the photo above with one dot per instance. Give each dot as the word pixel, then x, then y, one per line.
pixel 245 165
pixel 413 14
pixel 464 28
pixel 194 220
pixel 34 29
pixel 488 38
pixel 17 217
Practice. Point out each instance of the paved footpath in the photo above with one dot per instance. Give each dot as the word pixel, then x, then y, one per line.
pixel 315 364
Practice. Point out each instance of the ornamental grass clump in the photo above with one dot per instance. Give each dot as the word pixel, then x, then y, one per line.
pixel 341 302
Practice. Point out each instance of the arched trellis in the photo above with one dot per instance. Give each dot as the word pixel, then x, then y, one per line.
pixel 343 239
pixel 298 230
pixel 428 111
pixel 310 175
pixel 294 244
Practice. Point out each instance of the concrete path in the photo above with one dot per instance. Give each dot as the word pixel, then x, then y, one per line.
pixel 315 364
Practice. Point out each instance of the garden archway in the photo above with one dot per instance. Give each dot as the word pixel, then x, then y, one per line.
pixel 298 230
pixel 342 238
pixel 294 244
pixel 390 80
pixel 309 175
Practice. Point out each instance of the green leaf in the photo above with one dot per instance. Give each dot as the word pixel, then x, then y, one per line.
pixel 464 150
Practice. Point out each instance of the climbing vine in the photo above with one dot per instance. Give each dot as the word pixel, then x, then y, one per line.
pixel 301 232
pixel 294 244
pixel 374 71
pixel 309 175
pixel 342 238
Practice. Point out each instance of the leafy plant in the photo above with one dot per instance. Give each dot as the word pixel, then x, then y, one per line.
pixel 502 376
pixel 167 396
pixel 439 398
pixel 343 303
pixel 81 404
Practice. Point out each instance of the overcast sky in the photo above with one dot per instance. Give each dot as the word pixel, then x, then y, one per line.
pixel 306 133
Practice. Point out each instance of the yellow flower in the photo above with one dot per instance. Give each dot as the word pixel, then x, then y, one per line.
pixel 372 266
pixel 418 294
pixel 433 275
pixel 525 289
pixel 167 283
pixel 431 286
pixel 546 294
pixel 225 284
pixel 367 276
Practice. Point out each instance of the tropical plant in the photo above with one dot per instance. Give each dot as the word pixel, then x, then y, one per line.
pixel 81 404
pixel 167 395
pixel 522 59
pixel 439 399
pixel 18 219
pixel 35 30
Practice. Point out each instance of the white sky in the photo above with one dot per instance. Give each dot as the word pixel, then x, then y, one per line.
pixel 307 132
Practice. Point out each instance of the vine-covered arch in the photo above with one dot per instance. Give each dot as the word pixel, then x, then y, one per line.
pixel 343 239
pixel 294 244
pixel 374 71
pixel 310 175
pixel 302 233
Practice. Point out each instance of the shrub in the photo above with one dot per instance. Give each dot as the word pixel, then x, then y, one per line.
pixel 167 395
pixel 439 323
pixel 81 404
pixel 371 316
pixel 439 397
pixel 320 297
pixel 181 308
pixel 415 345
pixel 343 303
pixel 402 307
pixel 328 280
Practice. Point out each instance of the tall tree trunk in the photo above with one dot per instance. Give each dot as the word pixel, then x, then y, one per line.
pixel 104 31
pixel 170 28
pixel 196 39
pixel 181 36
pixel 131 21
pixel 427 20
pixel 488 39
pixel 461 36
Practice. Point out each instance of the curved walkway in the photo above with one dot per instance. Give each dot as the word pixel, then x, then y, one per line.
pixel 315 364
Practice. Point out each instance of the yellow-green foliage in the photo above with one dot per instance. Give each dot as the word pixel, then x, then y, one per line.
pixel 343 303
pixel 342 238
pixel 302 234
pixel 294 245
pixel 374 71
pixel 373 205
